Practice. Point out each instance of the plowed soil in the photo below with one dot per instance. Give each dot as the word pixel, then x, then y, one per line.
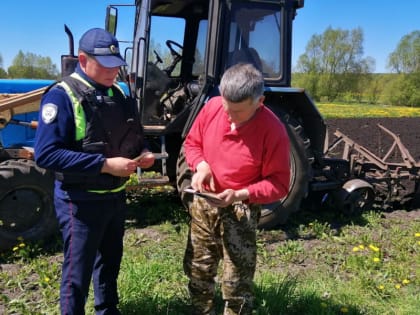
pixel 365 132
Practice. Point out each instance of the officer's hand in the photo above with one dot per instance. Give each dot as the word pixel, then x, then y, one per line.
pixel 146 160
pixel 119 166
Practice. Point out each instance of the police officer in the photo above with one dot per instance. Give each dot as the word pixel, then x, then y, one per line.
pixel 88 134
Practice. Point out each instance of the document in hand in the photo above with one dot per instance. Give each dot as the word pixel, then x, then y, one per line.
pixel 204 194
pixel 138 158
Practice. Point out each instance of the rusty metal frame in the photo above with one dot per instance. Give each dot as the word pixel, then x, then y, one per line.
pixel 363 154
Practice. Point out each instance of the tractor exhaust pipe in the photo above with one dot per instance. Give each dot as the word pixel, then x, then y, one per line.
pixel 68 62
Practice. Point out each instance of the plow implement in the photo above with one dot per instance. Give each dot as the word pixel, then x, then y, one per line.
pixel 390 180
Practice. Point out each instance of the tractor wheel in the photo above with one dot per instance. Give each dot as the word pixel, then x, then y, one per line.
pixel 26 203
pixel 301 158
pixel 183 178
pixel 356 201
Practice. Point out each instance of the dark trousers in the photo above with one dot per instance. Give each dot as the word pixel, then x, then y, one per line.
pixel 92 233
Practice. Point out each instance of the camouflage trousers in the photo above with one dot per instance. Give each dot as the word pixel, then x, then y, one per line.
pixel 227 234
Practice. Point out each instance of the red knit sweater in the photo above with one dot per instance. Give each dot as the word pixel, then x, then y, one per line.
pixel 253 156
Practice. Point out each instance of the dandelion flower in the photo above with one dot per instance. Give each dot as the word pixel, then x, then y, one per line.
pixel 15 248
pixel 344 309
pixel 46 279
pixel 22 245
pixel 398 286
pixel 406 281
pixel 374 248
pixel 362 246
pixel 381 287
pixel 376 259
pixel 355 249
pixel 417 234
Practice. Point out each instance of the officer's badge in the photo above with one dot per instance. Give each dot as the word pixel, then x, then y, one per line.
pixel 49 113
pixel 113 49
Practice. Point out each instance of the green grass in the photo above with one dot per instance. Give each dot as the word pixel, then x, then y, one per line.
pixel 319 263
pixel 329 110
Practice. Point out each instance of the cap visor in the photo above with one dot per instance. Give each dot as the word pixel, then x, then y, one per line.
pixel 110 61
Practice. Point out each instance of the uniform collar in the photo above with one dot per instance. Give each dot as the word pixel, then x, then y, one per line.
pixel 84 76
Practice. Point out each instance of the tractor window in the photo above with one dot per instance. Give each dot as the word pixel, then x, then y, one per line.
pixel 255 37
pixel 198 66
pixel 166 41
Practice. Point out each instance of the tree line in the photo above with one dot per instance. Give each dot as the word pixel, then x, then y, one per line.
pixel 30 66
pixel 332 68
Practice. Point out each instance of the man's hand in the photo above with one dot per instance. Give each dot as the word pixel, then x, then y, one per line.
pixel 201 176
pixel 229 196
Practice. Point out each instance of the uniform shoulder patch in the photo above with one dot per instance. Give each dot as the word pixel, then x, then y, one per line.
pixel 49 113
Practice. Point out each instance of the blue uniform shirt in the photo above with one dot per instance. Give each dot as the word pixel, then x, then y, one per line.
pixel 55 139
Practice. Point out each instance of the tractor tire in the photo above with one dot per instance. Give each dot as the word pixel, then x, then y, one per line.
pixel 26 203
pixel 274 214
pixel 183 178
pixel 301 159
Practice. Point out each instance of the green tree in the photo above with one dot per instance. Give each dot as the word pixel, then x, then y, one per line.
pixel 405 60
pixel 32 66
pixel 3 73
pixel 406 57
pixel 333 59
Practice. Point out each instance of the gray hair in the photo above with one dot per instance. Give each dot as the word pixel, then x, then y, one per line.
pixel 240 82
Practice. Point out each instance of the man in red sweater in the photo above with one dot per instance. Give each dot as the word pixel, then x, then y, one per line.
pixel 238 149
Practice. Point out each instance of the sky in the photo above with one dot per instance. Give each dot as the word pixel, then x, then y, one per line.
pixel 38 26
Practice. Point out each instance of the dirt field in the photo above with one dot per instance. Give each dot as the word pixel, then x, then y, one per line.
pixel 365 132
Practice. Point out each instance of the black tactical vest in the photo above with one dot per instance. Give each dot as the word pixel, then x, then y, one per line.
pixel 112 128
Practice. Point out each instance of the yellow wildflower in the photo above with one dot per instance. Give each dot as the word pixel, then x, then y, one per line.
pixel 22 245
pixel 381 287
pixel 46 279
pixel 355 249
pixel 361 246
pixel 15 248
pixel 398 286
pixel 417 234
pixel 376 259
pixel 374 248
pixel 344 309
pixel 406 281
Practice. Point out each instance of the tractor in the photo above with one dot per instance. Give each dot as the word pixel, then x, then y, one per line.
pixel 176 55
pixel 202 39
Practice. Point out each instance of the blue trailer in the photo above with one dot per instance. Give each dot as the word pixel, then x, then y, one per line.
pixel 14 135
pixel 26 190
